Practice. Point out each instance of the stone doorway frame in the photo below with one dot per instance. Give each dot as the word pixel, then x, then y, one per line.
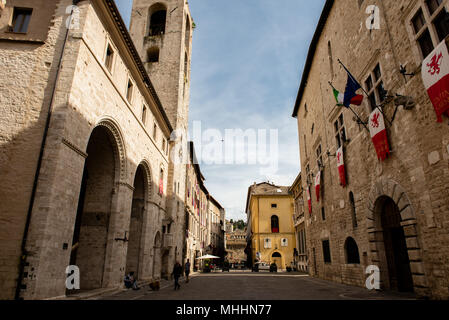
pixel 387 188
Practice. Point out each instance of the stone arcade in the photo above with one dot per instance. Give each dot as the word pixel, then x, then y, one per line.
pixel 85 144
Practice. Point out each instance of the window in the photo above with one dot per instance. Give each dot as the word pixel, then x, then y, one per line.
pixel 161 182
pixel 109 58
pixel 319 157
pixel 323 214
pixel 352 251
pixel 144 115
pixel 274 224
pixel 274 205
pixel 153 54
pixel 267 243
pixel 331 62
pixel 129 91
pixel 340 131
pixel 21 20
pixel 326 251
pixel 163 145
pixel 154 131
pixel 284 242
pixel 430 25
pixel 353 212
pixel 305 145
pixel 157 22
pixel 375 88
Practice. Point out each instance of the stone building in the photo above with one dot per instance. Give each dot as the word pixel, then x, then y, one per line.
pixel 202 216
pixel 216 243
pixel 192 209
pixel 85 146
pixel 391 213
pixel 300 256
pixel 270 234
pixel 235 246
pixel 162 33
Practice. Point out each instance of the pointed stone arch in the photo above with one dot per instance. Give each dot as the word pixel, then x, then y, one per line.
pixel 115 133
pixel 145 164
pixel 389 190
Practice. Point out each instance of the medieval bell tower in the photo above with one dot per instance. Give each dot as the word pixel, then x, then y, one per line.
pixel 162 33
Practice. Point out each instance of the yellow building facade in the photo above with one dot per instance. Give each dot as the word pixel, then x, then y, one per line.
pixel 270 233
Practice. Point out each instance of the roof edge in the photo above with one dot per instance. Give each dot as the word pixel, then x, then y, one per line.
pixel 312 49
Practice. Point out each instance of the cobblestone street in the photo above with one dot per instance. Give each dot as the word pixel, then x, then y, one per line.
pixel 255 286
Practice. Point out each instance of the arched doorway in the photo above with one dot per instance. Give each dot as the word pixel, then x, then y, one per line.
pixel 277 258
pixel 397 260
pixel 94 208
pixel 133 258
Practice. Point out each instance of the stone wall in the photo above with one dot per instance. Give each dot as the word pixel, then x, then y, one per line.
pixel 416 173
pixel 27 71
pixel 88 99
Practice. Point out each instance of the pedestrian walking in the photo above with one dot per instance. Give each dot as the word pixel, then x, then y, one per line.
pixel 187 270
pixel 177 271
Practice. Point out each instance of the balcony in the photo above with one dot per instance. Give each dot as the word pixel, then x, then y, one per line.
pixel 167 240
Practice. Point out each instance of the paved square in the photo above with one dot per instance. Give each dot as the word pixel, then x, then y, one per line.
pixel 256 286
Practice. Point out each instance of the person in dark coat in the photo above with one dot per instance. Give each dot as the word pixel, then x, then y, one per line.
pixel 187 270
pixel 177 272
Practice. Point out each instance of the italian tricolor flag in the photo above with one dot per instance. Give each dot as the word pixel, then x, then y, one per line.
pixel 379 134
pixel 340 98
pixel 341 167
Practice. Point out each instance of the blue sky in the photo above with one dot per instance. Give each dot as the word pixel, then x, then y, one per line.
pixel 247 62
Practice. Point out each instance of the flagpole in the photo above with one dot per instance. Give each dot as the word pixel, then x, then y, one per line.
pixel 366 93
pixel 349 107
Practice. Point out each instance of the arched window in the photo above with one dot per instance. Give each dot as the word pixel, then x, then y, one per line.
pixel 276 255
pixel 158 16
pixel 353 213
pixel 153 54
pixel 352 251
pixel 274 224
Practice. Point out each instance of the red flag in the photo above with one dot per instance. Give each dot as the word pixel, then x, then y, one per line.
pixel 435 75
pixel 317 185
pixel 341 167
pixel 161 186
pixel 309 200
pixel 379 134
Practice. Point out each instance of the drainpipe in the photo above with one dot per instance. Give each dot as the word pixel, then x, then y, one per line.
pixel 24 253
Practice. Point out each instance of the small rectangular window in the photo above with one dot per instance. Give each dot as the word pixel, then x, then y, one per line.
pixel 326 251
pixel 109 58
pixel 144 115
pixel 154 131
pixel 441 23
pixel 433 5
pixel 323 214
pixel 129 91
pixel 21 20
pixel 418 21
pixel 274 205
pixel 340 131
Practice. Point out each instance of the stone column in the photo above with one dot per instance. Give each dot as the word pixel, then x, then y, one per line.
pixel 116 250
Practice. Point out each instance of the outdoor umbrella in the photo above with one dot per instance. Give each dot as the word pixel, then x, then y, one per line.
pixel 208 256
